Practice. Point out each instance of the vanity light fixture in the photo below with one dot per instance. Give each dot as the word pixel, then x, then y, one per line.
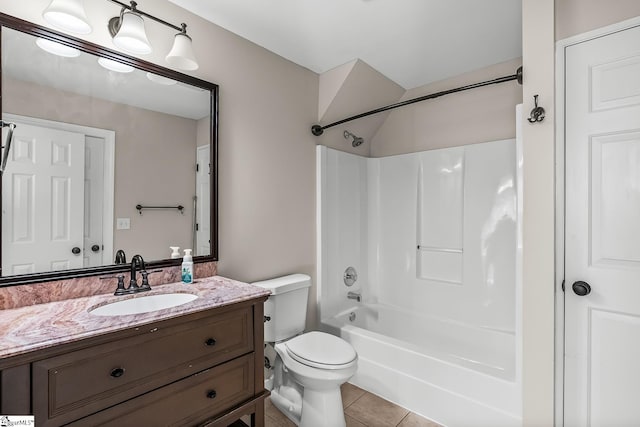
pixel 181 54
pixel 129 34
pixel 128 31
pixel 116 66
pixel 57 48
pixel 67 15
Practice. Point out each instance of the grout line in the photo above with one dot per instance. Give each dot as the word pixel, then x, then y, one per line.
pixel 359 397
pixel 400 422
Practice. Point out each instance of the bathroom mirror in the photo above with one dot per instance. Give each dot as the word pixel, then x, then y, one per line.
pixel 110 153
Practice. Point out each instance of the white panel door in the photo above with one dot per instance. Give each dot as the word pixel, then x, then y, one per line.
pixel 93 250
pixel 203 194
pixel 42 201
pixel 602 328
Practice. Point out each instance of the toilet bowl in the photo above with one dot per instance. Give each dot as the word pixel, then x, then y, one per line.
pixel 305 370
pixel 319 364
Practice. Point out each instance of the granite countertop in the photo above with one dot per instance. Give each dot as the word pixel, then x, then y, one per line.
pixel 40 326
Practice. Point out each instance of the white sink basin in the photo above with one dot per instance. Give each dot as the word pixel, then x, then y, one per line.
pixel 143 304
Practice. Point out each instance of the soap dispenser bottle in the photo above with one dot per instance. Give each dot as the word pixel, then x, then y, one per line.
pixel 187 267
pixel 175 252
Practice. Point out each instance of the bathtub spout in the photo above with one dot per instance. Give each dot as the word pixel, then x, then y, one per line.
pixel 354 295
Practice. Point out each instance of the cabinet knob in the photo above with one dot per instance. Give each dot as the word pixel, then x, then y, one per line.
pixel 211 394
pixel 210 342
pixel 117 373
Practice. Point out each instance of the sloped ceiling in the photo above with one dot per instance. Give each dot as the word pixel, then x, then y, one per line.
pixel 349 90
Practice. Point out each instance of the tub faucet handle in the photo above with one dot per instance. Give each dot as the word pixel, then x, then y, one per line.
pixel 350 276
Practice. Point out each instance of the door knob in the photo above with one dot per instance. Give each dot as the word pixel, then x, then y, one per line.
pixel 581 288
pixel 95 248
pixel 75 250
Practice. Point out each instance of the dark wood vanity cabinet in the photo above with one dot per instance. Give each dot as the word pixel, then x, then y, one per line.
pixel 204 368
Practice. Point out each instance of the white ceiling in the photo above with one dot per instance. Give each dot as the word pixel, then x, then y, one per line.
pixel 412 42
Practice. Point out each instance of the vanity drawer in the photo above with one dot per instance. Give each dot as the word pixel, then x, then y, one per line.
pixel 86 381
pixel 187 402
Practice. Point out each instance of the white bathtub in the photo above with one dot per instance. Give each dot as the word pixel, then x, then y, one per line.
pixel 454 374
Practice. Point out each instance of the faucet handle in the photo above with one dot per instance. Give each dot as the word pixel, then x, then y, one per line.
pixel 120 290
pixel 145 279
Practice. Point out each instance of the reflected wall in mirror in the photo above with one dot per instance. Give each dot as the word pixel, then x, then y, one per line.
pixel 95 138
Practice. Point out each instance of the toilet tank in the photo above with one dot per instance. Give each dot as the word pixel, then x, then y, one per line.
pixel 286 307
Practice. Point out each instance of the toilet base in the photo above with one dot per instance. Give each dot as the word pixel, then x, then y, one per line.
pixel 318 409
pixel 322 409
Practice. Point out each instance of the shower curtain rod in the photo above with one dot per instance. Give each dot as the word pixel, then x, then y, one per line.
pixel 318 130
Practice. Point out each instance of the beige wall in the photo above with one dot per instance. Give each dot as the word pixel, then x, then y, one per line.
pixel 203 131
pixel 538 216
pixel 477 115
pixel 579 16
pixel 144 174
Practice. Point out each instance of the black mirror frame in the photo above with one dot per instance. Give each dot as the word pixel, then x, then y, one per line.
pixel 91 48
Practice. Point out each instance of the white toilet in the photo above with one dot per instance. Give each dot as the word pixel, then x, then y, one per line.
pixel 305 371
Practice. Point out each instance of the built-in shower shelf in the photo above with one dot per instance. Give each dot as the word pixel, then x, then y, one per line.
pixel 434 249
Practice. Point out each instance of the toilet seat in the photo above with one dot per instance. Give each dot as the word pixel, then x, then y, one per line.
pixel 321 350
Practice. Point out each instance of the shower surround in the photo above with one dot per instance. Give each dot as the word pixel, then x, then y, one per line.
pixel 434 238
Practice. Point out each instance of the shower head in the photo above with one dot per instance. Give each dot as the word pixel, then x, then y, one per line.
pixel 356 139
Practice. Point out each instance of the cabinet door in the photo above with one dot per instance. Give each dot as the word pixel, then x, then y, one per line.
pixel 187 402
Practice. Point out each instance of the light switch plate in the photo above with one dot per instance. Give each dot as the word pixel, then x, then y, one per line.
pixel 123 223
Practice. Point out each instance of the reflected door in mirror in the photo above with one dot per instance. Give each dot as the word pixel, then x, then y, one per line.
pixel 43 201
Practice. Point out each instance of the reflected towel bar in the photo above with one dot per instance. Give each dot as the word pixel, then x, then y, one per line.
pixel 179 207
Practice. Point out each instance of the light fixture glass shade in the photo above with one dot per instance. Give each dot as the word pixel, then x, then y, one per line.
pixel 116 66
pixel 181 55
pixel 131 36
pixel 67 15
pixel 57 48
pixel 161 80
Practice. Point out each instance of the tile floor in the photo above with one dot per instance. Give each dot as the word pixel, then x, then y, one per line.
pixel 361 409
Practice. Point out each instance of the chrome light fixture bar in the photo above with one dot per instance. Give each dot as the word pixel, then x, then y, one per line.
pixel 128 34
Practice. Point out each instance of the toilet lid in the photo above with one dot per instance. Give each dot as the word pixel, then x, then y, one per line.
pixel 321 350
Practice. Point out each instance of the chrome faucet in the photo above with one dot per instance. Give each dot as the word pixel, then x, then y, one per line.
pixel 354 295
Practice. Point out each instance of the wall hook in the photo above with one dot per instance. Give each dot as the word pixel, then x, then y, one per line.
pixel 537 114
